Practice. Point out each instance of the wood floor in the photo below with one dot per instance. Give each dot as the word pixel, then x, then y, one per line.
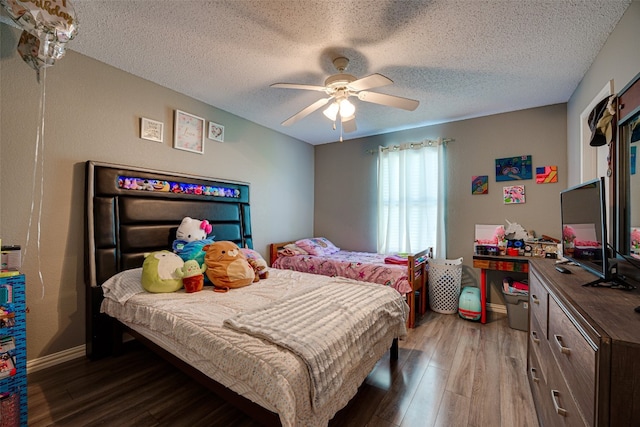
pixel 450 372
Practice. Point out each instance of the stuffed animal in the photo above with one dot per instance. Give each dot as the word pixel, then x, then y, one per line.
pixel 227 266
pixel 159 272
pixel 192 276
pixel 259 265
pixel 191 238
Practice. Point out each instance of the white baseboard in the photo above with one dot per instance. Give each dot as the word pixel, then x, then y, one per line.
pixel 35 365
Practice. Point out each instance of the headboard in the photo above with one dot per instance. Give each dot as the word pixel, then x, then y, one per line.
pixel 131 211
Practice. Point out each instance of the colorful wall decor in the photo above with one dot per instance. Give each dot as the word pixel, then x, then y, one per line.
pixel 514 168
pixel 480 184
pixel 546 174
pixel 513 194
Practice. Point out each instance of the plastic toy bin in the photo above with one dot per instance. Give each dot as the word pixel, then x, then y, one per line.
pixel 445 276
pixel 517 311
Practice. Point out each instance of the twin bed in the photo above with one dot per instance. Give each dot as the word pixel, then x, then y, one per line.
pixel 289 350
pixel 407 275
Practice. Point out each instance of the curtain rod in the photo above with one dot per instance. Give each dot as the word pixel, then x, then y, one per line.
pixel 424 143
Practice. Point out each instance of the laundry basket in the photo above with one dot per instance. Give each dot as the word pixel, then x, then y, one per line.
pixel 445 276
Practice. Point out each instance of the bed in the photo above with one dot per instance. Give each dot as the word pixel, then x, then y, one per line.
pixel 407 275
pixel 237 343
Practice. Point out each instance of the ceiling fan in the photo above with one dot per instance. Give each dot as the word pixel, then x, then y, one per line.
pixel 339 88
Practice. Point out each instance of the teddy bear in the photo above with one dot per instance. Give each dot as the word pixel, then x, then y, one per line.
pixel 259 265
pixel 227 267
pixel 192 276
pixel 191 237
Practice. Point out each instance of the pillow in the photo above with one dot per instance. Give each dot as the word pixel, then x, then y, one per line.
pixel 124 285
pixel 295 249
pixel 254 255
pixel 317 246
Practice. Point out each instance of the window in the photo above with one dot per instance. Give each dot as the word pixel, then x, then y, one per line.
pixel 410 204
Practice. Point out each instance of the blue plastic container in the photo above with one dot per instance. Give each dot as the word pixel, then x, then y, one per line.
pixel 469 304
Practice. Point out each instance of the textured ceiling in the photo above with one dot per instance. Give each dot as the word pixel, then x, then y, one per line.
pixel 459 58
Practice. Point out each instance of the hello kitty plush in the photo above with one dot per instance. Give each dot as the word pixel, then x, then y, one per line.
pixel 191 237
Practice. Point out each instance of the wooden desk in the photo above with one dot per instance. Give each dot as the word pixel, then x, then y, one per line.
pixel 519 264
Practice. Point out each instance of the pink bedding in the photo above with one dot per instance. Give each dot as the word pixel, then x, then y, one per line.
pixel 363 266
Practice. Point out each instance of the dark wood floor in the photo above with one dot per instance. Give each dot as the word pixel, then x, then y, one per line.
pixel 451 372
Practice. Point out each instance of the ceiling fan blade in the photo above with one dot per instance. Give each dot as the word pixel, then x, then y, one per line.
pixel 389 100
pixel 299 86
pixel 348 124
pixel 369 82
pixel 304 113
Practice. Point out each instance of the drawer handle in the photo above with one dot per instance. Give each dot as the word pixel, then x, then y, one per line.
pixel 534 337
pixel 563 349
pixel 535 379
pixel 556 405
pixel 535 299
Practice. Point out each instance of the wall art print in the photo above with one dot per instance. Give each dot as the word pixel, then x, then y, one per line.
pixel 546 174
pixel 514 168
pixel 188 132
pixel 513 194
pixel 480 184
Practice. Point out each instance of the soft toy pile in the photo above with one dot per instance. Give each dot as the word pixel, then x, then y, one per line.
pixel 227 267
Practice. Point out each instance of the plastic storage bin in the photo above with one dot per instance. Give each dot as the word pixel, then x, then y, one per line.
pixel 445 276
pixel 517 311
pixel 469 306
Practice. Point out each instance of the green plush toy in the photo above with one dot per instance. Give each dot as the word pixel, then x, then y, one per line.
pixel 159 272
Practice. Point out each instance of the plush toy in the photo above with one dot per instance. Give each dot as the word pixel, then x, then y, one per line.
pixel 259 265
pixel 159 272
pixel 191 238
pixel 227 266
pixel 192 276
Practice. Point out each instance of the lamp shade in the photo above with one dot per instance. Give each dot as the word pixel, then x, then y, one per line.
pixel 347 109
pixel 332 111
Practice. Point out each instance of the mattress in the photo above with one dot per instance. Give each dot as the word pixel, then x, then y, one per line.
pixel 191 326
pixel 365 266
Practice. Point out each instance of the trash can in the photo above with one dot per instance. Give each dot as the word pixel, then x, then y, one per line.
pixel 445 276
pixel 517 300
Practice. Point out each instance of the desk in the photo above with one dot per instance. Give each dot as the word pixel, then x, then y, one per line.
pixel 518 264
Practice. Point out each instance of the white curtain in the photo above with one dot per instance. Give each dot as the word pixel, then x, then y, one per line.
pixel 411 198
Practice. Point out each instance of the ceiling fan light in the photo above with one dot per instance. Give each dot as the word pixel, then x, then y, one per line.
pixel 332 111
pixel 347 109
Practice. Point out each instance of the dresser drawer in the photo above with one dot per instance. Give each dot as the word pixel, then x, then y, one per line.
pixel 538 302
pixel 560 406
pixel 576 359
pixel 538 344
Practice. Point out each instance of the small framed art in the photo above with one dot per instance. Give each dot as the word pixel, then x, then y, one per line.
pixel 188 132
pixel 151 129
pixel 216 132
pixel 513 194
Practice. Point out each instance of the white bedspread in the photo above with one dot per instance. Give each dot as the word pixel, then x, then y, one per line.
pixel 191 327
pixel 330 328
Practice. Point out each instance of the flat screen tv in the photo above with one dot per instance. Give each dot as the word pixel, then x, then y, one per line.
pixel 584 230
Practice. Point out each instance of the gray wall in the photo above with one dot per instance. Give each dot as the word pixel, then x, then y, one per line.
pixel 345 185
pixel 92 113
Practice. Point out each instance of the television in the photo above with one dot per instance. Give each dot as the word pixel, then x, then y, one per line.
pixel 584 229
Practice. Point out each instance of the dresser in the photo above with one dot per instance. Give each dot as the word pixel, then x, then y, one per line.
pixel 583 354
pixel 13 352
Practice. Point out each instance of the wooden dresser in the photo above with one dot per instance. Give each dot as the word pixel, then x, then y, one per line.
pixel 583 349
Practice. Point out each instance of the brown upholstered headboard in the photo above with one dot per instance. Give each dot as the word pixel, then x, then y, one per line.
pixel 131 211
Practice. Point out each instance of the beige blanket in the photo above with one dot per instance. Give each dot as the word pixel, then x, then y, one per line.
pixel 332 328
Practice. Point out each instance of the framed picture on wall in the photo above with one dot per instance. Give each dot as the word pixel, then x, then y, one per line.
pixel 151 129
pixel 514 168
pixel 188 132
pixel 216 132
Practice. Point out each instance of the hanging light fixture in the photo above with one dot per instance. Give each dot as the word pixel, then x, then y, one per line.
pixel 332 111
pixel 347 109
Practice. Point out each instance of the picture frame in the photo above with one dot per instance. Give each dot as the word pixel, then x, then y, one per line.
pixel 151 130
pixel 514 168
pixel 216 132
pixel 513 194
pixel 188 134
